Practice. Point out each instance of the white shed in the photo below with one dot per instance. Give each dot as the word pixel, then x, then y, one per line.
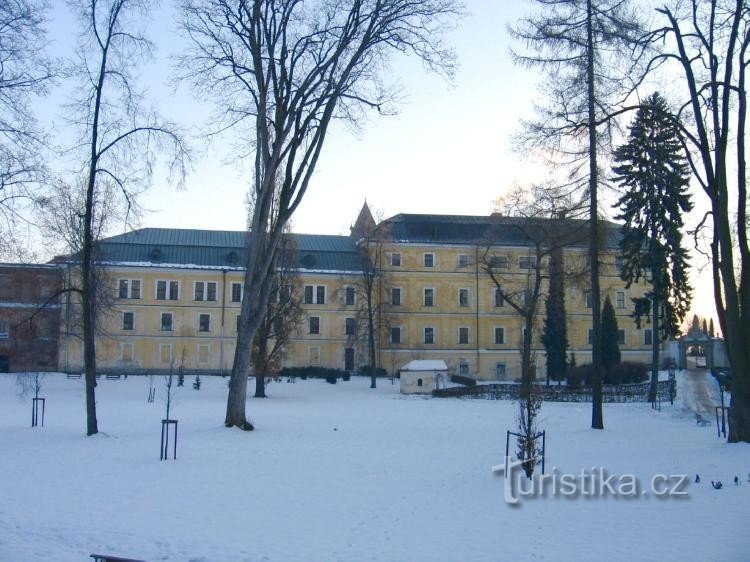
pixel 423 376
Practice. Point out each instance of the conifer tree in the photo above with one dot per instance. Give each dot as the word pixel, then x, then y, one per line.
pixel 653 174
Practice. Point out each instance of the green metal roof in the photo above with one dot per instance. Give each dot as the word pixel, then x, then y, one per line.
pixel 220 249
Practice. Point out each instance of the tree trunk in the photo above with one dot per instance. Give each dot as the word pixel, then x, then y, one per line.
pixel 371 343
pixel 260 369
pixel 238 387
pixel 597 417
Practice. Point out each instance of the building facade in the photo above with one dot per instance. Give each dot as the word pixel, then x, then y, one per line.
pixel 29 317
pixel 176 294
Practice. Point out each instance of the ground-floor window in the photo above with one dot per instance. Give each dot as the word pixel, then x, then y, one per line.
pixel 500 370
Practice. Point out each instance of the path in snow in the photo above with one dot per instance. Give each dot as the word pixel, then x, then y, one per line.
pixel 700 393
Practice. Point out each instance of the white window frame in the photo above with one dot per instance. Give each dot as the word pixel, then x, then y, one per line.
pixel 648 336
pixel 462 261
pixel 234 284
pixel 132 322
pixel 204 290
pixel 496 296
pixel 434 335
pixel 504 369
pixel 530 262
pixel 395 259
pixel 468 335
pixel 463 368
pixel 400 335
pixel 587 299
pixel 499 262
pixel 400 296
pixel 210 322
pixel 350 321
pixel 350 289
pixel 467 291
pixel 424 260
pixel 309 326
pixel 129 290
pixel 161 321
pixel 167 289
pixel 494 335
pixel 424 296
pixel 620 300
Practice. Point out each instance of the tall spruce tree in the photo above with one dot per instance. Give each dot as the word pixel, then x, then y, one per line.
pixel 555 333
pixel 610 336
pixel 653 173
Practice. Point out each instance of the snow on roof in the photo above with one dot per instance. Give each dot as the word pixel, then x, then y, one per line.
pixel 425 365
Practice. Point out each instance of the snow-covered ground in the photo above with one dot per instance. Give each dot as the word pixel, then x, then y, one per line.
pixel 342 472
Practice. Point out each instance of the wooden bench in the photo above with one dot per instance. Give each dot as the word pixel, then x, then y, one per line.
pixel 113 377
pixel 110 558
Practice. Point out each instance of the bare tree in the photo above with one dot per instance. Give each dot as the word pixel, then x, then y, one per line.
pixel 25 73
pixel 283 316
pixel 283 70
pixel 537 219
pixel 709 42
pixel 119 139
pixel 582 45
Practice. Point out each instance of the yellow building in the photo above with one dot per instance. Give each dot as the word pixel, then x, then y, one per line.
pixel 175 297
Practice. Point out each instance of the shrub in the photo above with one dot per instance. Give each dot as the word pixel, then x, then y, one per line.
pixel 466 381
pixel 367 371
pixel 579 375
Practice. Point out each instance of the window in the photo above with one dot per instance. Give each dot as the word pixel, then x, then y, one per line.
pixel 463 335
pixel 205 290
pixel 166 322
pixel 527 294
pixel 429 335
pixel 350 328
pixel 587 299
pixel 619 264
pixel 620 299
pixel 497 297
pixel 396 296
pixel 463 260
pixel 167 290
pixel 128 320
pixel 314 325
pixel 396 259
pixel 419 382
pixel 648 337
pixel 4 330
pixel 315 294
pixel 591 337
pixel 396 334
pixel 621 337
pixel 165 352
pixel 463 368
pixel 527 262
pixel 236 292
pixel 126 352
pixel 499 262
pixel 429 297
pixel 499 336
pixel 129 289
pixel 349 296
pixel 429 260
pixel 499 371
pixel 463 297
pixel 204 322
pixel 204 353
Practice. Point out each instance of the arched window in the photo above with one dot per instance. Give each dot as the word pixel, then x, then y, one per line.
pixel 419 382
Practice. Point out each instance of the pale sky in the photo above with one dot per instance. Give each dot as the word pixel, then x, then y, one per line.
pixel 446 152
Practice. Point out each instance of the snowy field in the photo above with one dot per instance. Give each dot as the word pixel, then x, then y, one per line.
pixel 342 472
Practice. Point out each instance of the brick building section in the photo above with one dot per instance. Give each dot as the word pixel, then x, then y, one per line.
pixel 29 320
